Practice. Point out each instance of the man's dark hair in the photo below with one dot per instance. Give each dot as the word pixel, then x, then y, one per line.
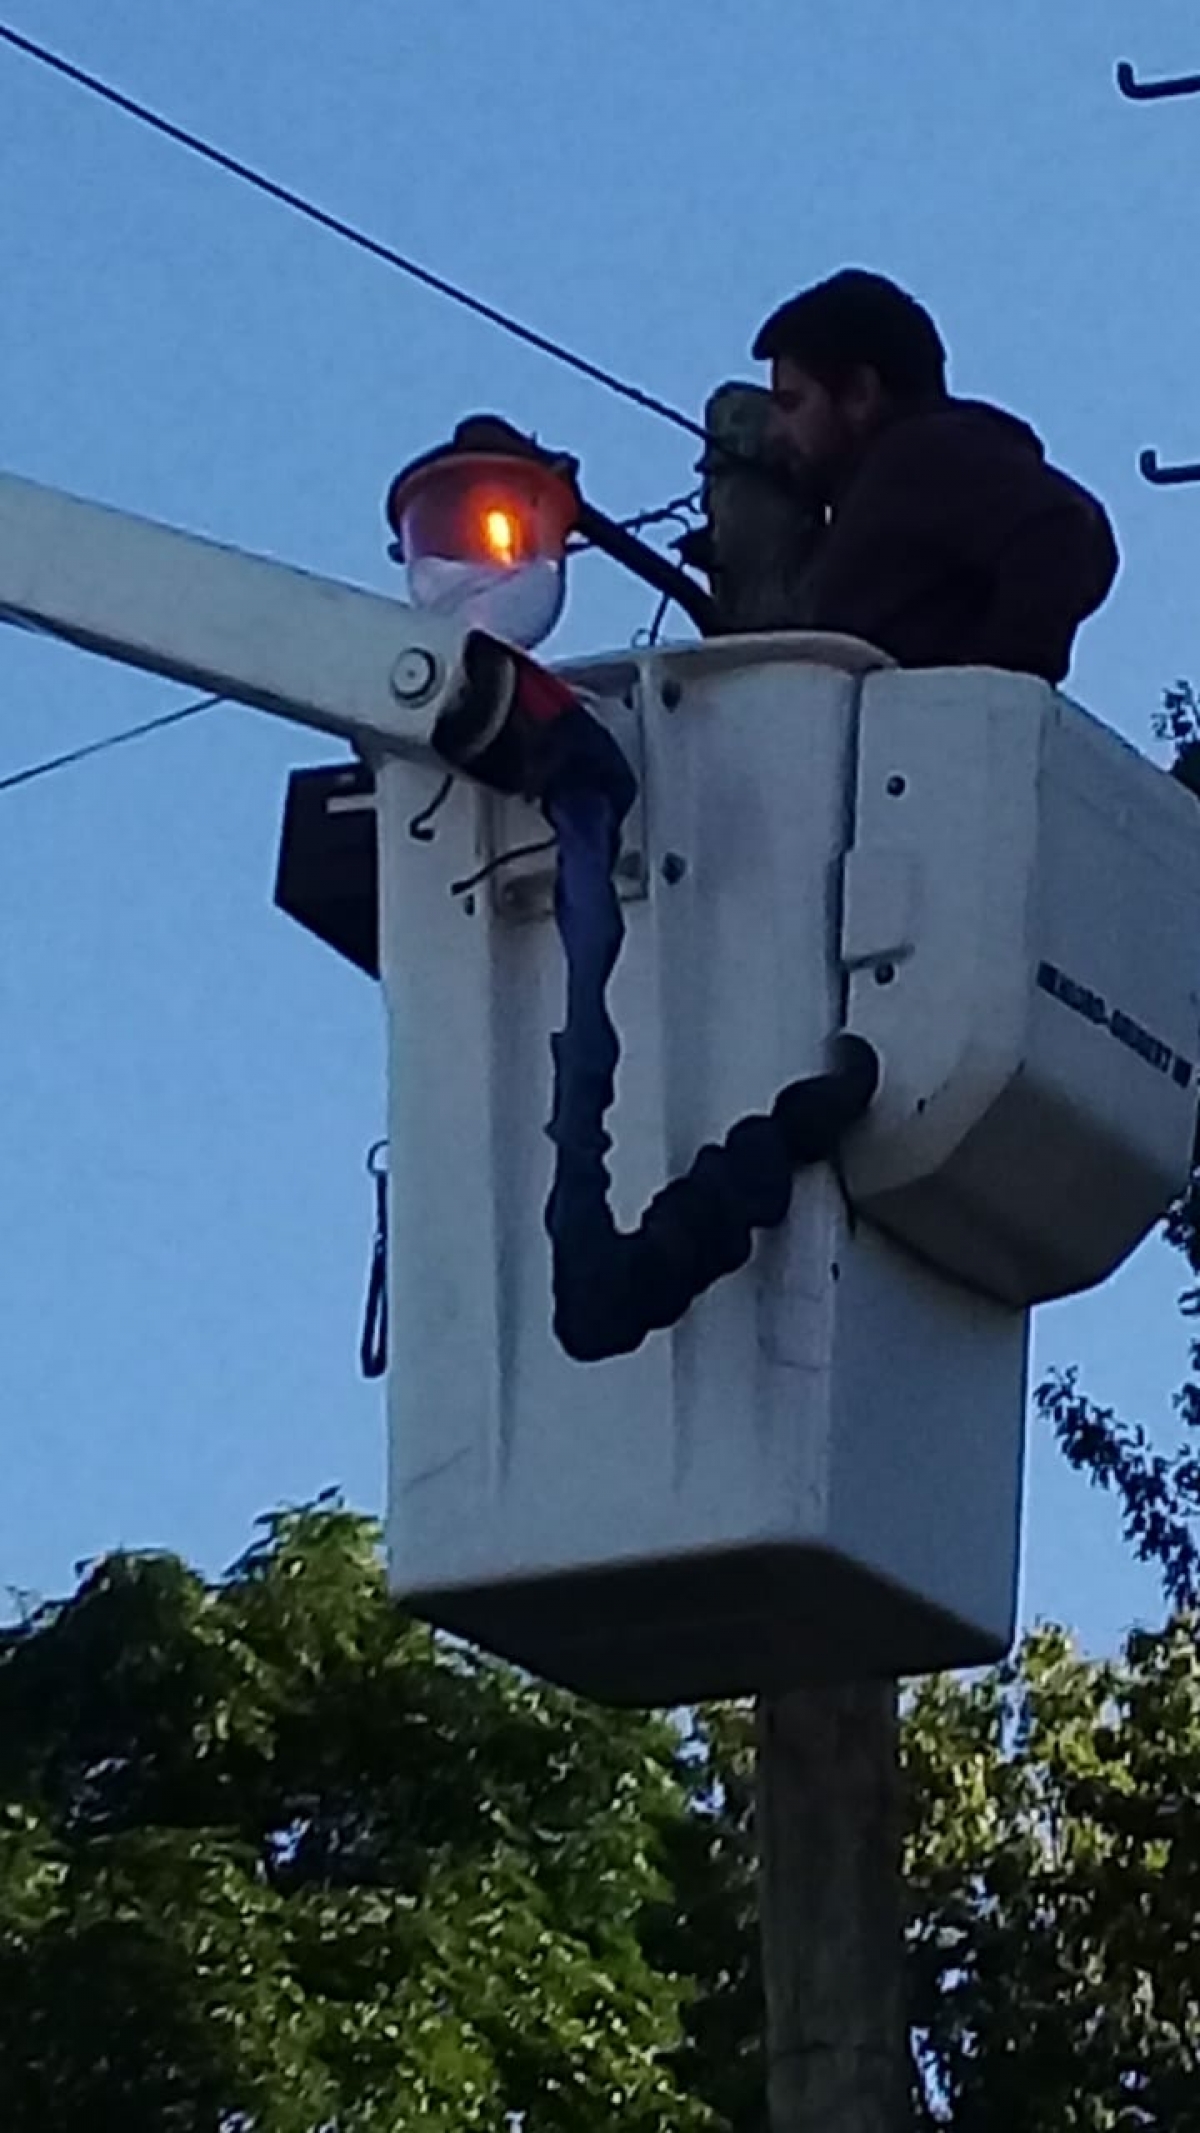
pixel 856 318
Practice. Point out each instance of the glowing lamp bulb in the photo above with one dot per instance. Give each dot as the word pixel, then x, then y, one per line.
pixel 483 538
pixel 500 534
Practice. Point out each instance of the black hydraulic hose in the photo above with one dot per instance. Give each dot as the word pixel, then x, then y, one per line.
pixel 611 1289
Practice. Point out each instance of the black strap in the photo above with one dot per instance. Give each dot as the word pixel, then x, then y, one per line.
pixel 373 1348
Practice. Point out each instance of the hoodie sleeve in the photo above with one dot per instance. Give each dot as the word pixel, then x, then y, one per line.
pixel 967 499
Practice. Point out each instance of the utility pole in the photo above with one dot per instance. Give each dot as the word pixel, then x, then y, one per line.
pixel 829 1828
pixel 828 1815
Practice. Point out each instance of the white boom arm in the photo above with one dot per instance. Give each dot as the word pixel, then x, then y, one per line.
pixel 304 647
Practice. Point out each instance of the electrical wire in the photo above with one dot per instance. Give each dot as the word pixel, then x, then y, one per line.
pixel 300 205
pixel 111 740
pixel 677 507
pixel 644 640
pixel 498 864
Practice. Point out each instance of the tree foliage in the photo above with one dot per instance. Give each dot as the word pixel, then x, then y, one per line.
pixel 1054 1872
pixel 274 1857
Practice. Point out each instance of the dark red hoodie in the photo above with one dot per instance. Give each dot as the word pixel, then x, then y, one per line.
pixel 955 543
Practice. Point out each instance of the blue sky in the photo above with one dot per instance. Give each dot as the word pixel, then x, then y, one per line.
pixel 187 1083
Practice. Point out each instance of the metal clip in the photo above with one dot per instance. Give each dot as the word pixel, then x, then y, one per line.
pixel 1152 92
pixel 1165 477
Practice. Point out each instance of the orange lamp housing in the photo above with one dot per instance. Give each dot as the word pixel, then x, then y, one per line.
pixel 486 507
pixel 483 535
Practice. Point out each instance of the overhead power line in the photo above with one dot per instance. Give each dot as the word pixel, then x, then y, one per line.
pixel 236 168
pixel 111 740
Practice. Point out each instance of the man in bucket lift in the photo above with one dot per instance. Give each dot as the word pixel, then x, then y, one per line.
pixel 937 531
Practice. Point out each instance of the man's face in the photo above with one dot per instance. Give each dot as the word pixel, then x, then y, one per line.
pixel 823 431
